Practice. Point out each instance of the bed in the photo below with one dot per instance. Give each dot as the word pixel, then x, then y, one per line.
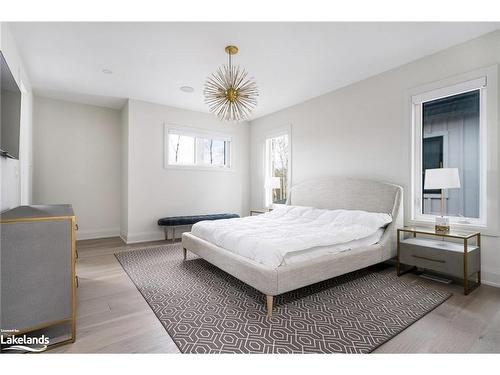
pixel 334 193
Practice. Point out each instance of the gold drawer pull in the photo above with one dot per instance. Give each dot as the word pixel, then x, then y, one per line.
pixel 432 260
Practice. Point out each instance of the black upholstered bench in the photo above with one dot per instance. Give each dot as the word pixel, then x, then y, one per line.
pixel 178 221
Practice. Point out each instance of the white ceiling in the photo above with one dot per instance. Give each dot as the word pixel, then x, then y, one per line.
pixel 292 62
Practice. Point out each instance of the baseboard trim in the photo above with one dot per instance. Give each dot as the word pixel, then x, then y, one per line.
pixel 97 233
pixel 153 236
pixel 143 237
pixel 124 237
pixel 490 283
pixel 490 278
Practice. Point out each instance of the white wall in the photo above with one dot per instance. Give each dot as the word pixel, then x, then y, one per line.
pixel 361 130
pixel 155 192
pixel 16 175
pixel 77 161
pixel 124 172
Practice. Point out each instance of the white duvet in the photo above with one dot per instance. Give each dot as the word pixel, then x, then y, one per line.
pixel 268 238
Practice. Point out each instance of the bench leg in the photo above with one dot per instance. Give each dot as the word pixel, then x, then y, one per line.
pixel 185 253
pixel 269 303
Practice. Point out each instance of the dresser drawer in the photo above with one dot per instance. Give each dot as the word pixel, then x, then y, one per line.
pixel 440 256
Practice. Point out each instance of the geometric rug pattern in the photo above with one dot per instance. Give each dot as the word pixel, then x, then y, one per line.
pixel 206 310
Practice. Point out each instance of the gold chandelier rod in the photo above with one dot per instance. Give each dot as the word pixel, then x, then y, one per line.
pixel 230 50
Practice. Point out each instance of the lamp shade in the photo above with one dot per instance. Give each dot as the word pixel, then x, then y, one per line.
pixel 441 178
pixel 273 182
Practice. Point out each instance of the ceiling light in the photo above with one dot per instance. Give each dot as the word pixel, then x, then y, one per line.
pixel 186 89
pixel 107 71
pixel 229 93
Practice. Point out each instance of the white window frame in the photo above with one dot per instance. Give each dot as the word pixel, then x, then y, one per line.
pixel 267 163
pixel 197 133
pixel 486 80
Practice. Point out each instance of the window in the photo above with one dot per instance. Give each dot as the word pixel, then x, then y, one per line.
pixel 277 169
pixel 449 132
pixel 192 148
pixel 432 158
pixel 213 152
pixel 181 149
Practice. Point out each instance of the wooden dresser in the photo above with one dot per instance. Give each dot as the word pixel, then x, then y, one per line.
pixel 38 281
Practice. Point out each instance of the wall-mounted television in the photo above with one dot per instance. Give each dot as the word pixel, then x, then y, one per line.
pixel 10 112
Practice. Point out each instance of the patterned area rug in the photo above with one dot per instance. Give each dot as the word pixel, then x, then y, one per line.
pixel 205 310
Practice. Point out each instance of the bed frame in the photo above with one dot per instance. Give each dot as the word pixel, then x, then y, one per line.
pixel 328 193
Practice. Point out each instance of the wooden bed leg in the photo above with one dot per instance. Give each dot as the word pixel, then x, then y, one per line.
pixel 185 253
pixel 269 301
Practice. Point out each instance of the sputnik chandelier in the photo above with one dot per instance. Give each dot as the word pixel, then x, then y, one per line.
pixel 229 93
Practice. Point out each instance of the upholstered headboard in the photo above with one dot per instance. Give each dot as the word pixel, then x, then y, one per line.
pixel 347 193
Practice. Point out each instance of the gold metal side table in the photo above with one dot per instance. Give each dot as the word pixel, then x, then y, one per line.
pixel 444 252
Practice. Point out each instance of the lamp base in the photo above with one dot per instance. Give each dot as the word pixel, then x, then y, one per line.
pixel 442 224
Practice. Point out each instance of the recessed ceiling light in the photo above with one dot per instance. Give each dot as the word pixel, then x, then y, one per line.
pixel 107 71
pixel 187 89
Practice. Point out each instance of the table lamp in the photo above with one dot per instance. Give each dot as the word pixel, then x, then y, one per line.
pixel 442 178
pixel 273 183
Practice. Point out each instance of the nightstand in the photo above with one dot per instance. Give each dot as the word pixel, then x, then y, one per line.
pixel 259 211
pixel 445 252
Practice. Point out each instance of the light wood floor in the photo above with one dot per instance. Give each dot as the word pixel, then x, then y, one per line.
pixel 114 318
